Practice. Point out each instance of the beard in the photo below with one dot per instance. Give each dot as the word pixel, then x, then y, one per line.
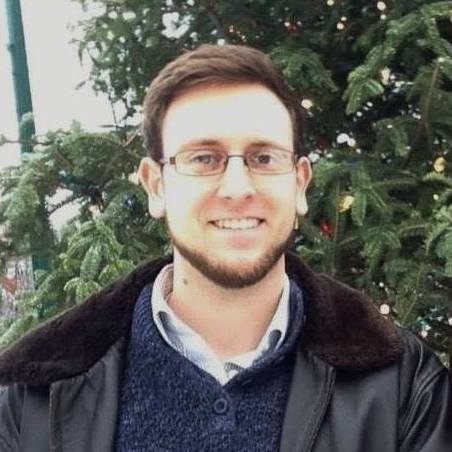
pixel 225 275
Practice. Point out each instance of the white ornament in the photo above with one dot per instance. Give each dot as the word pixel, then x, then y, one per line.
pixel 385 75
pixel 313 157
pixel 351 142
pixel 342 138
pixel 330 2
pixel 340 26
pixel 381 6
pixel 307 103
pixel 385 309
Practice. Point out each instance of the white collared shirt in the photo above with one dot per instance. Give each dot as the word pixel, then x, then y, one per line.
pixel 192 346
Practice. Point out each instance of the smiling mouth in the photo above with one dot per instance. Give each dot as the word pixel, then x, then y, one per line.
pixel 237 224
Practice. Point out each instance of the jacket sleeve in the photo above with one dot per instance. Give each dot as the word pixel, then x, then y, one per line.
pixel 426 425
pixel 11 400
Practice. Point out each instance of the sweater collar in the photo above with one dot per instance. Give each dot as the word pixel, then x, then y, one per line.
pixel 343 328
pixel 148 344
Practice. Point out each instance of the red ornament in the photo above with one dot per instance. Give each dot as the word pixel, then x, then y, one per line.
pixel 9 284
pixel 326 228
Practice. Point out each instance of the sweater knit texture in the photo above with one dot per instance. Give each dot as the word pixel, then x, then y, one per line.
pixel 167 403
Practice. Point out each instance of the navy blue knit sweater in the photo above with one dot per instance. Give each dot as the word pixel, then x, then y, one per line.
pixel 167 403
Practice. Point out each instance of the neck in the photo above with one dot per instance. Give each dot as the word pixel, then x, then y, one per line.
pixel 231 321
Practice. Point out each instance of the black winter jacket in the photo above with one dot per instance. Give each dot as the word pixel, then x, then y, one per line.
pixel 359 383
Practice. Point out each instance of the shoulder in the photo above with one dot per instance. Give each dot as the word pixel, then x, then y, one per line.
pixel 420 367
pixel 425 398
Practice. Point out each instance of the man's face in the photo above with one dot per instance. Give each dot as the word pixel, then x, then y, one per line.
pixel 234 119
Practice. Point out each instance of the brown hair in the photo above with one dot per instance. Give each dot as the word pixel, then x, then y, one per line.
pixel 212 65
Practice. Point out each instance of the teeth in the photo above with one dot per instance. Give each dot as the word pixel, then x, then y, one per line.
pixel 245 223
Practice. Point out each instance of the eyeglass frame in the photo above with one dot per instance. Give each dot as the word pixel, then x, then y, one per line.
pixel 172 161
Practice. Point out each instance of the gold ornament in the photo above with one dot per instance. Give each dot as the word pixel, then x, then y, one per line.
pixel 439 165
pixel 345 203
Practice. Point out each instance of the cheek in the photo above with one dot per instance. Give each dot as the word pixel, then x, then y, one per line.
pixel 185 205
pixel 282 195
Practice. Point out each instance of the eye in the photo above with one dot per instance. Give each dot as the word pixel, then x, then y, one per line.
pixel 205 158
pixel 202 157
pixel 264 157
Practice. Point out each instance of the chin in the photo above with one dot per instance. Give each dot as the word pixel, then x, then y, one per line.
pixel 234 270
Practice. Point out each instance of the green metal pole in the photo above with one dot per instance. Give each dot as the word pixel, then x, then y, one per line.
pixel 16 46
pixel 24 107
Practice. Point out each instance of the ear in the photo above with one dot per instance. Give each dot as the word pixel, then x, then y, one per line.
pixel 304 175
pixel 150 175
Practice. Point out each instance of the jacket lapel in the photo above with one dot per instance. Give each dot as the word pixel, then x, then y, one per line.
pixel 84 409
pixel 309 395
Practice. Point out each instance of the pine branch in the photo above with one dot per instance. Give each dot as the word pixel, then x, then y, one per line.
pixel 423 123
pixel 215 18
pixel 62 203
pixel 414 299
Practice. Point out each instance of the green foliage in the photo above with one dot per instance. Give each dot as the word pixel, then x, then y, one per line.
pixel 380 206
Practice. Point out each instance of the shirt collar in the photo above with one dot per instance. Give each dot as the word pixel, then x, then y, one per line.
pixel 190 344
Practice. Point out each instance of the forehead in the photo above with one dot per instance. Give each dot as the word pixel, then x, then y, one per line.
pixel 234 115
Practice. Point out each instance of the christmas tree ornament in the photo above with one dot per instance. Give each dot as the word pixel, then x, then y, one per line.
pixel 381 6
pixel 385 74
pixel 307 103
pixel 345 203
pixel 385 309
pixel 439 165
pixel 342 138
pixel 326 228
pixel 8 284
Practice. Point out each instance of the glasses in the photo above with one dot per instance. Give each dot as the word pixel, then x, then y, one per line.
pixel 208 162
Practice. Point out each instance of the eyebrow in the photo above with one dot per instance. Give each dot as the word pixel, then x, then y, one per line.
pixel 217 143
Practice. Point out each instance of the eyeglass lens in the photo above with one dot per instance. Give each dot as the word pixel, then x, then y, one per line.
pixel 207 162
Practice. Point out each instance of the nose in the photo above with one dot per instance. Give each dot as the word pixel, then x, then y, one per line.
pixel 236 180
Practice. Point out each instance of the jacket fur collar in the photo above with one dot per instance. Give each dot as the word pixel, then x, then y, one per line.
pixel 343 328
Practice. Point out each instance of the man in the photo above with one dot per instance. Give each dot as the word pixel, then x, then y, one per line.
pixel 232 343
